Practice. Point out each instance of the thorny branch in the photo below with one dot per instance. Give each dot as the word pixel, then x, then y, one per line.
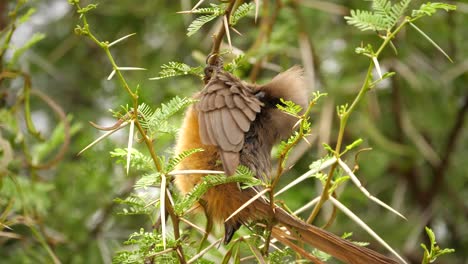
pixel 85 30
pixel 218 37
pixel 366 86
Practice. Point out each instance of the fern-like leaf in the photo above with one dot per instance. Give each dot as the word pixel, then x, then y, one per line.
pixel 242 11
pixel 135 205
pixel 384 16
pixel 138 160
pixel 210 13
pixel 429 9
pixel 199 22
pixel 243 175
pixel 157 121
pixel 213 9
pixel 146 245
pixel 148 180
pixel 172 69
pixel 20 51
pixel 176 160
pixel 398 10
pixel 289 107
pixel 383 8
pixel 235 64
pixel 366 20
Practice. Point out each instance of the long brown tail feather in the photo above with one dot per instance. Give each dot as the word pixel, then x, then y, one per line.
pixel 325 241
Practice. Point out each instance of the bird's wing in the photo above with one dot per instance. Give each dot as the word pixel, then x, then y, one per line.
pixel 226 110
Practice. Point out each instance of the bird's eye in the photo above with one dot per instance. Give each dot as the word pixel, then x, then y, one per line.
pixel 260 95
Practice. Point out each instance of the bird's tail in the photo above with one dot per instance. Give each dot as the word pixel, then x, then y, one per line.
pixel 344 250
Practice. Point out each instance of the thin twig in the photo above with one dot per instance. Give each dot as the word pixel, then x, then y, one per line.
pixel 218 37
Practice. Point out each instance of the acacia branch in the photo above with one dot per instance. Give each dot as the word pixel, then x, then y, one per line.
pixel 218 37
pixel 366 86
pixel 148 142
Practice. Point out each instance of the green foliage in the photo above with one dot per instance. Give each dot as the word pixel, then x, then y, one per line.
pixel 213 12
pixel 355 144
pixel 429 9
pixel 46 148
pixel 243 175
pixel 173 161
pixel 31 42
pixel 366 20
pixel 134 205
pixel 316 164
pixel 69 205
pixel 242 11
pixel 337 181
pixel 138 160
pixel 303 123
pixel 289 107
pixel 87 8
pixel 31 197
pixel 26 16
pixel 148 180
pixel 285 146
pixel 172 69
pixel 237 63
pixel 384 15
pixel 146 246
pixel 282 256
pixel 157 121
pixel 431 254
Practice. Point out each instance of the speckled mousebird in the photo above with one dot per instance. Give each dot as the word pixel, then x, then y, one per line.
pixel 238 123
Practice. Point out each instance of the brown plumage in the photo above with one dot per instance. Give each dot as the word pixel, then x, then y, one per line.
pixel 238 124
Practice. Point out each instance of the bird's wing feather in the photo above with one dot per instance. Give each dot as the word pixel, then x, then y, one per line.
pixel 226 111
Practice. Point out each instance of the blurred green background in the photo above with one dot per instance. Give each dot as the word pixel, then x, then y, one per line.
pixel 415 122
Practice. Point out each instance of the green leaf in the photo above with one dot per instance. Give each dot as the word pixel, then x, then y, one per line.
pixel 242 11
pixel 384 15
pixel 356 143
pixel 135 205
pixel 243 175
pixel 430 255
pixel 157 121
pixel 383 8
pixel 235 64
pixel 398 11
pixel 337 182
pixel 213 9
pixel 366 20
pixel 429 9
pixel 289 107
pixel 177 159
pixel 25 17
pixel 87 8
pixel 198 23
pixel 148 180
pixel 138 160
pixel 145 245
pixel 20 51
pixel 173 68
pixel 328 148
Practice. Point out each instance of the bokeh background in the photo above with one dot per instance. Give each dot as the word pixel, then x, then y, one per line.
pixel 415 122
